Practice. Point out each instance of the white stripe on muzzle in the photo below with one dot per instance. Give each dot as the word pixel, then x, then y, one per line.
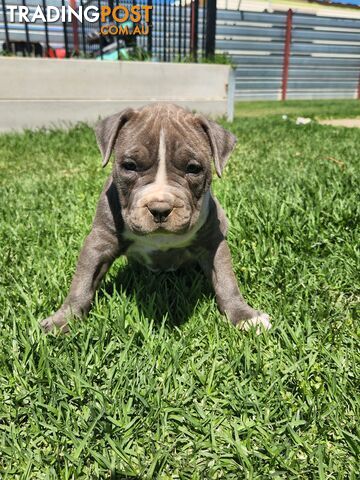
pixel 161 178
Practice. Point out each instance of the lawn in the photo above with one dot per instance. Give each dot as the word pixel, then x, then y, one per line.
pixel 156 384
pixel 313 109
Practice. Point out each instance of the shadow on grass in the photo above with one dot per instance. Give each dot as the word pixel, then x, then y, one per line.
pixel 165 294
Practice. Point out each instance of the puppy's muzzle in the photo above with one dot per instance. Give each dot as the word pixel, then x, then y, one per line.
pixel 160 211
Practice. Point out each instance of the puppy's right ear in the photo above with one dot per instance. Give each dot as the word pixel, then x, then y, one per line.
pixel 107 130
pixel 221 142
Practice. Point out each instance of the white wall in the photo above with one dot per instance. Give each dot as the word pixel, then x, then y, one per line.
pixel 37 92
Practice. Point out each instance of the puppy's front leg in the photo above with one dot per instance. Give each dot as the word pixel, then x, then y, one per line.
pixel 218 268
pixel 98 253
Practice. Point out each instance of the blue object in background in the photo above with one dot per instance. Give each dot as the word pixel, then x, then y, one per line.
pixel 344 2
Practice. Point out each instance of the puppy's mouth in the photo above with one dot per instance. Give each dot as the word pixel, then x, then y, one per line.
pixel 142 222
pixel 155 229
pixel 161 229
pixel 170 230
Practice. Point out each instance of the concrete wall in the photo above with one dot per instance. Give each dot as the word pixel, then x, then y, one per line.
pixel 37 92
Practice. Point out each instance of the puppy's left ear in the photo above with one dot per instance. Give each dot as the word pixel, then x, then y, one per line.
pixel 221 142
pixel 107 130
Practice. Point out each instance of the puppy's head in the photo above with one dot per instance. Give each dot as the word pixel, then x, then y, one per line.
pixel 162 169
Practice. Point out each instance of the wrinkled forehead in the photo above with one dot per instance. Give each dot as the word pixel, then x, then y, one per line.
pixel 177 131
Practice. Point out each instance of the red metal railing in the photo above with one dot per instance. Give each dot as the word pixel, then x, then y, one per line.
pixel 287 48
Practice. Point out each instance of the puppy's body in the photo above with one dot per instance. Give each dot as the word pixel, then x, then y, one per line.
pixel 157 207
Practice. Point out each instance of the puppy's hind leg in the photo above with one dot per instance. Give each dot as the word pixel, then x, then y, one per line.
pixel 98 253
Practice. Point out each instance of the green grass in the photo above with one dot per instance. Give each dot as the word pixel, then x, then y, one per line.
pixel 156 383
pixel 313 109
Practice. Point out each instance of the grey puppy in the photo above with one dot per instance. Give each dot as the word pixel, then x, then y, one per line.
pixel 157 207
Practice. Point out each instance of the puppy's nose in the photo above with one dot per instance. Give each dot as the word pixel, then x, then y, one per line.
pixel 160 211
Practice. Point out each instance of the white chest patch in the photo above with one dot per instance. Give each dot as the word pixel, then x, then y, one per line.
pixel 155 242
pixel 151 250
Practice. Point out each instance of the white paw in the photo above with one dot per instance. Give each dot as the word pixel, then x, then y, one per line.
pixel 261 321
pixel 53 322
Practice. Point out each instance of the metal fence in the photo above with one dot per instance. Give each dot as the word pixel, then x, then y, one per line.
pixel 178 30
pixel 277 55
pixel 291 55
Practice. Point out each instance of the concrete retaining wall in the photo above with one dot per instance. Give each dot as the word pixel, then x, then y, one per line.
pixel 37 92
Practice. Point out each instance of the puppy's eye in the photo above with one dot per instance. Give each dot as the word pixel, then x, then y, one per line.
pixel 129 165
pixel 193 168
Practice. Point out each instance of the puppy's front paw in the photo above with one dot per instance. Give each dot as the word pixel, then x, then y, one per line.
pixel 54 322
pixel 260 321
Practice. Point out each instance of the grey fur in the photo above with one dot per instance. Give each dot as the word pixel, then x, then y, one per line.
pixel 195 230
